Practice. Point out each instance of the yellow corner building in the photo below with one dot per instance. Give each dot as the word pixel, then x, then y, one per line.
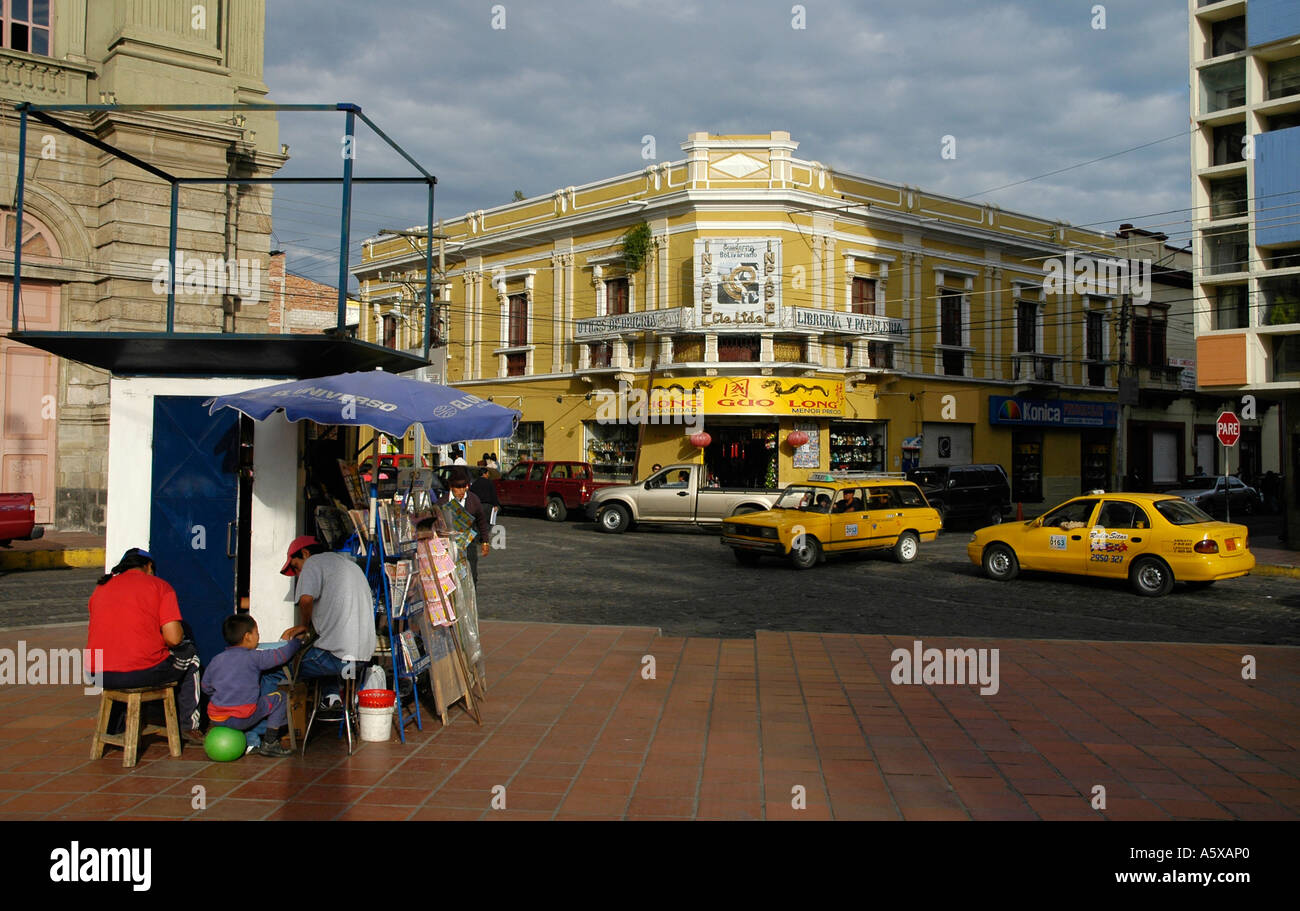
pixel 766 294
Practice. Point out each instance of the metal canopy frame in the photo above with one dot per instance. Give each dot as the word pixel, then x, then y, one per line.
pixel 352 112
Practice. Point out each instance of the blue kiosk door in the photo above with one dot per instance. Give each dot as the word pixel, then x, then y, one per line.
pixel 193 525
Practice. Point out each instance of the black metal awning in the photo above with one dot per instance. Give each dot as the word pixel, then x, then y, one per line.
pixel 201 354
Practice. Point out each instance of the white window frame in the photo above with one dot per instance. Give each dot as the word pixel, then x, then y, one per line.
pixel 1090 302
pixel 502 282
pixel 963 282
pixel 881 277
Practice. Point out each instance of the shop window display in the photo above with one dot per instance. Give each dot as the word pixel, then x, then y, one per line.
pixel 525 444
pixel 1027 468
pixel 1096 466
pixel 611 450
pixel 858 446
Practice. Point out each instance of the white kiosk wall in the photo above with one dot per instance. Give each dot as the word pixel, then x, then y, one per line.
pixel 275 513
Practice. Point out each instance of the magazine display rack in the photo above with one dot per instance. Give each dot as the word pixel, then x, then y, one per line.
pixel 418 585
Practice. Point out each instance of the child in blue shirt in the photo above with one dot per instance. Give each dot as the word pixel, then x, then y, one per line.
pixel 243 695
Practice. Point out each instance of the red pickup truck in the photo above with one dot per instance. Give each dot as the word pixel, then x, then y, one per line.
pixel 555 487
pixel 18 518
pixel 389 464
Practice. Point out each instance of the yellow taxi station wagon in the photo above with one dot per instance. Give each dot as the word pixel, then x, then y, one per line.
pixel 835 513
pixel 1153 540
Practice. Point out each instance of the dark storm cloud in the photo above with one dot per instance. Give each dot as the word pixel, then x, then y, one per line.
pixel 565 92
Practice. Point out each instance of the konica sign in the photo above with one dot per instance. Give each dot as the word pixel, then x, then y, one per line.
pixel 1017 412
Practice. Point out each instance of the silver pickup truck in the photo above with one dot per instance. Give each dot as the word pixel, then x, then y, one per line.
pixel 672 496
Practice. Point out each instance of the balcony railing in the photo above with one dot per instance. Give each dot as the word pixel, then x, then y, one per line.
pixel 43 80
pixel 1037 368
pixel 1160 377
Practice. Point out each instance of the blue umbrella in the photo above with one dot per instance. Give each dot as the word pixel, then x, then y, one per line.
pixel 384 401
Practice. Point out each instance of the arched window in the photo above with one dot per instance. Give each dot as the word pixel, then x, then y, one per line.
pixel 38 240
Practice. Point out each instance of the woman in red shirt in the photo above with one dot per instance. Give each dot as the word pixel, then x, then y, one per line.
pixel 137 638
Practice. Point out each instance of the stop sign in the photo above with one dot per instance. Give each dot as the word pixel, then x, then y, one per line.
pixel 1228 428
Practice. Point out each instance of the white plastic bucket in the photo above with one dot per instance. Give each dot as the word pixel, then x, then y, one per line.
pixel 376 724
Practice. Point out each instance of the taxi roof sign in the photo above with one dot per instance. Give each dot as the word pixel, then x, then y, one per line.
pixel 855 475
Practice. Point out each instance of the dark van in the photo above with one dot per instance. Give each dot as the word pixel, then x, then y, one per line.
pixel 976 493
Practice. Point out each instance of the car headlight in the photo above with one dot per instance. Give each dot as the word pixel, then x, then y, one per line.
pixel 769 533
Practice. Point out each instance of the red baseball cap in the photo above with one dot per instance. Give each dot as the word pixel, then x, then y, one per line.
pixel 298 544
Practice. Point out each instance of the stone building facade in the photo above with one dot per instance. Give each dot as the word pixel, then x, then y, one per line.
pixel 96 226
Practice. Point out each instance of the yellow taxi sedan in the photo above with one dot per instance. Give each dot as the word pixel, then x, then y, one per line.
pixel 1153 540
pixel 833 514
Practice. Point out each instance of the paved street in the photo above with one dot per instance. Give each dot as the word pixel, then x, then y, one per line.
pixel 37 597
pixel 685 583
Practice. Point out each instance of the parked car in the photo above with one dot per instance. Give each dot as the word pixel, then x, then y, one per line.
pixel 1153 540
pixel 389 464
pixel 676 495
pixel 830 515
pixel 979 493
pixel 555 487
pixel 18 518
pixel 1210 494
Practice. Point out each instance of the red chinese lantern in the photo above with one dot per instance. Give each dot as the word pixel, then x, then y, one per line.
pixel 701 440
pixel 796 438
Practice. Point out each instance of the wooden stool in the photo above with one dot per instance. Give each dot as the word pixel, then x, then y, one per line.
pixel 129 739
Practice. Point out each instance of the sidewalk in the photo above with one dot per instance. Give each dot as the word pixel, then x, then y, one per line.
pixel 56 549
pixel 785 726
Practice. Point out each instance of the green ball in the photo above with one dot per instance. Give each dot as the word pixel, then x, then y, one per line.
pixel 224 744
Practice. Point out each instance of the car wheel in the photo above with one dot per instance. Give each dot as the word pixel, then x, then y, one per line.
pixel 614 519
pixel 745 510
pixel 943 514
pixel 1000 563
pixel 806 557
pixel 746 557
pixel 556 510
pixel 905 547
pixel 995 516
pixel 1151 577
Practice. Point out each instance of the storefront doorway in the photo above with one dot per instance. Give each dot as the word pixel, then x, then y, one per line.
pixel 742 454
pixel 1027 466
pixel 1095 460
pixel 194 513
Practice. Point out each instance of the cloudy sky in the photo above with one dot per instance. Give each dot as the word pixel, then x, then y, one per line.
pixel 1051 114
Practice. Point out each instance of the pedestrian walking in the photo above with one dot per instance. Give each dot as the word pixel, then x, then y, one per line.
pixel 486 490
pixel 461 494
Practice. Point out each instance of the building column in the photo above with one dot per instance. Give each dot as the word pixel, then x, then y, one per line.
pixel 557 289
pixel 907 357
pixel 568 312
pixel 993 306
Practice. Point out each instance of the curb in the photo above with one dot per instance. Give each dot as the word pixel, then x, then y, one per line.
pixel 82 558
pixel 1269 569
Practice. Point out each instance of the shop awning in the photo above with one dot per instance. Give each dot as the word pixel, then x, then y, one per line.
pixel 228 354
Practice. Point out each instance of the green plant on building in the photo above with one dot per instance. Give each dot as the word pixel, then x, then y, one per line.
pixel 636 244
pixel 1284 304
